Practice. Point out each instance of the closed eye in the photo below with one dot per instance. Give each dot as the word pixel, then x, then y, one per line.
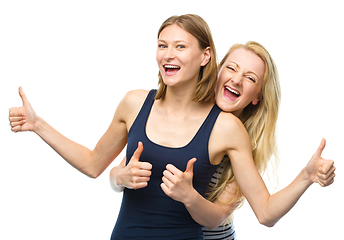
pixel 231 68
pixel 251 78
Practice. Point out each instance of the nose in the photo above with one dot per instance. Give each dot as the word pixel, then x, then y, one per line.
pixel 237 79
pixel 169 54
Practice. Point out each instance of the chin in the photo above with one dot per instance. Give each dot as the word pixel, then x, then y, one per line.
pixel 224 106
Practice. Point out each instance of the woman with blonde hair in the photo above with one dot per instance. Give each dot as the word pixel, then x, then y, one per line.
pixel 259 118
pixel 260 122
pixel 248 86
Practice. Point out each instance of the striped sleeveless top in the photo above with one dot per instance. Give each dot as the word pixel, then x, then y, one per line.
pixel 225 231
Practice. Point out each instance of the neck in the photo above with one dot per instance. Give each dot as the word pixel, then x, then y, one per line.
pixel 178 99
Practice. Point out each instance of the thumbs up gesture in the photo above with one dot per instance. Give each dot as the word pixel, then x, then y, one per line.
pixel 178 184
pixel 22 118
pixel 135 174
pixel 321 170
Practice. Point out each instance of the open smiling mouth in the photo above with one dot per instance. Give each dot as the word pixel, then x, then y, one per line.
pixel 231 94
pixel 171 69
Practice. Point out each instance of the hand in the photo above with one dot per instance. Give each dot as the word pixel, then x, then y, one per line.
pixel 321 170
pixel 22 118
pixel 231 196
pixel 177 184
pixel 136 174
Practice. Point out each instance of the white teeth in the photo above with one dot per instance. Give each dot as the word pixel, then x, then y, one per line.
pixel 233 91
pixel 171 66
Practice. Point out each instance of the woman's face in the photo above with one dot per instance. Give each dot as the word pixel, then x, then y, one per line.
pixel 179 56
pixel 240 81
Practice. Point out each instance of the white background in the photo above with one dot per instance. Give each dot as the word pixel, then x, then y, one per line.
pixel 77 59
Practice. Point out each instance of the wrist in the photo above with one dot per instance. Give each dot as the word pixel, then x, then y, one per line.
pixel 306 177
pixel 117 188
pixel 115 180
pixel 118 181
pixel 38 126
pixel 191 198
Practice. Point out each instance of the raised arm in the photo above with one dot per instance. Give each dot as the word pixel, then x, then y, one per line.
pixel 91 163
pixel 268 208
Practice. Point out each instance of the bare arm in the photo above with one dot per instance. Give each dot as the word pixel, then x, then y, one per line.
pixel 268 208
pixel 214 213
pixel 91 163
pixel 178 185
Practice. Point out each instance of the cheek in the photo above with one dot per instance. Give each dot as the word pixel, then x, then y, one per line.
pixel 218 89
pixel 193 60
pixel 217 94
pixel 158 56
pixel 251 93
pixel 220 81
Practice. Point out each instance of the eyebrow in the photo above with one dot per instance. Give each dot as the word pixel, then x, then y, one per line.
pixel 176 41
pixel 247 72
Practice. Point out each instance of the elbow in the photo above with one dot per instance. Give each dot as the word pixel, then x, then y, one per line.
pixel 211 226
pixel 93 174
pixel 92 171
pixel 266 222
pixel 269 225
pixel 267 219
pixel 214 224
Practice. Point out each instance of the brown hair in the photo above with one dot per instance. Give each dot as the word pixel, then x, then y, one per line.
pixel 197 27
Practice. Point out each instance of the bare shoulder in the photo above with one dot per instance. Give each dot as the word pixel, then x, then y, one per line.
pixel 130 106
pixel 229 123
pixel 132 101
pixel 231 130
pixel 135 98
pixel 136 94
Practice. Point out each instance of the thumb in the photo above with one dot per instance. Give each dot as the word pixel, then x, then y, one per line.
pixel 190 165
pixel 124 161
pixel 137 154
pixel 320 149
pixel 23 97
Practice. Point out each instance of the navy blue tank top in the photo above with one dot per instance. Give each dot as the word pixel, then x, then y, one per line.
pixel 148 213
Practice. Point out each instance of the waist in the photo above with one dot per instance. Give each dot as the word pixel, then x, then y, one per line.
pixel 152 206
pixel 149 215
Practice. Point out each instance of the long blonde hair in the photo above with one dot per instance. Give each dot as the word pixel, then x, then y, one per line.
pixel 259 121
pixel 197 27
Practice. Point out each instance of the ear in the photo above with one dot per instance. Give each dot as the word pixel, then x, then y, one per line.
pixel 206 56
pixel 256 100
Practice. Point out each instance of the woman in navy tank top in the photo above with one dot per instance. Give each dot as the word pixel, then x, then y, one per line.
pixel 170 122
